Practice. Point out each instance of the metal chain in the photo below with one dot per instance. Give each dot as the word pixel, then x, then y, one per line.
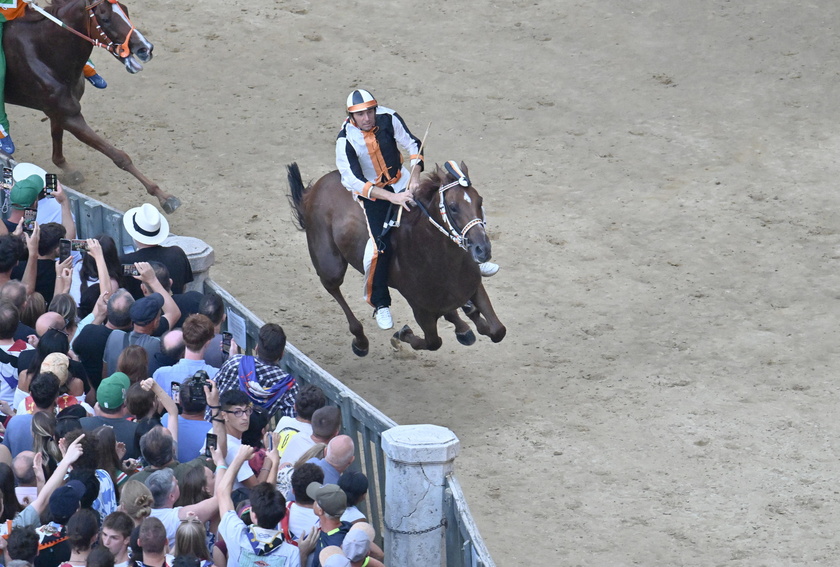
pixel 415 532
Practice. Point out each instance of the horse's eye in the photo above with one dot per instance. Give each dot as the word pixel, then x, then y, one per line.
pixel 453 207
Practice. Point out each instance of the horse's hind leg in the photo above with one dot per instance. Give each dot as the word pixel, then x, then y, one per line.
pixel 463 332
pixel 72 176
pixel 484 317
pixel 331 267
pixel 428 323
pixel 77 126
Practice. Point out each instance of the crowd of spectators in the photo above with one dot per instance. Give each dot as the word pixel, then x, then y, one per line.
pixel 136 433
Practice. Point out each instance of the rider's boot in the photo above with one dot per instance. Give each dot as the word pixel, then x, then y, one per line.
pixel 488 269
pixel 383 318
pixel 7 146
pixel 97 81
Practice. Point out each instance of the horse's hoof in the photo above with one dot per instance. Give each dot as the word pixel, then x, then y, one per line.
pixel 396 343
pixel 358 351
pixel 467 338
pixel 73 178
pixel 400 335
pixel 170 205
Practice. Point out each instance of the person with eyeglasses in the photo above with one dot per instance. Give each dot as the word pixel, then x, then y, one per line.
pixel 231 417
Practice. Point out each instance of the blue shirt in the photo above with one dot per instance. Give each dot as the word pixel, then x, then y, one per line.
pixel 331 474
pixel 191 436
pixel 19 434
pixel 181 371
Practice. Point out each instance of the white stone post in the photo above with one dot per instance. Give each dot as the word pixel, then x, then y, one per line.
pixel 418 458
pixel 200 255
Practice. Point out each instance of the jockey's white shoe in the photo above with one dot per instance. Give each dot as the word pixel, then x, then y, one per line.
pixel 488 269
pixel 383 318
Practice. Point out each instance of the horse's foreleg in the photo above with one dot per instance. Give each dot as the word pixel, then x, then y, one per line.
pixel 77 126
pixel 484 317
pixel 463 332
pixel 428 323
pixel 72 176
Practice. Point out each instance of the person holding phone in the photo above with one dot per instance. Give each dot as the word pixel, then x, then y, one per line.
pixel 28 193
pixel 51 277
pixel 231 416
pixel 192 427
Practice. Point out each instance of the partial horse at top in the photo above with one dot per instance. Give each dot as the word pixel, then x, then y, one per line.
pixel 44 72
pixel 436 253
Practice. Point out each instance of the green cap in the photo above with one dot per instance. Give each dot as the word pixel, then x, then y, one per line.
pixel 25 192
pixel 112 390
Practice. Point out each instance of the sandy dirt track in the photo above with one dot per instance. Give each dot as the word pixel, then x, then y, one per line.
pixel 660 184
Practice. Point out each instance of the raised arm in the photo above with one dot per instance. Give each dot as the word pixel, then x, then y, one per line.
pixel 168 404
pixel 94 248
pixel 226 486
pixel 74 451
pixel 148 277
pixel 206 510
pixel 211 392
pixel 63 276
pixel 31 270
pixel 66 215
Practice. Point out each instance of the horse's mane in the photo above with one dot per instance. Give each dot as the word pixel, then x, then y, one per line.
pixel 430 182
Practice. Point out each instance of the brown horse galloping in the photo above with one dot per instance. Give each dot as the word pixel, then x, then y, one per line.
pixel 44 72
pixel 436 273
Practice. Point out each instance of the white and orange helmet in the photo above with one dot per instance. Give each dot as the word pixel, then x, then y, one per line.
pixel 359 100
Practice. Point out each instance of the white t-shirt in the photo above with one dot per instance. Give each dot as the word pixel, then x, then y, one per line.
pixel 351 514
pixel 245 472
pixel 238 538
pixel 301 520
pixel 289 427
pixel 9 378
pixel 298 445
pixel 169 519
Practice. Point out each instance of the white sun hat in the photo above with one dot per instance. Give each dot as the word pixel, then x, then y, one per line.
pixel 23 170
pixel 146 225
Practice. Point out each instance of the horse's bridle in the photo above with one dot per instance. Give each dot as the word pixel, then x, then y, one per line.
pixel 119 50
pixel 459 237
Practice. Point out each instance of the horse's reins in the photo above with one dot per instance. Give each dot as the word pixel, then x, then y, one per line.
pixel 410 173
pixel 459 237
pixel 121 50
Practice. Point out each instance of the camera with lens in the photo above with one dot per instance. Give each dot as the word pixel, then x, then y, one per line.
pixel 196 385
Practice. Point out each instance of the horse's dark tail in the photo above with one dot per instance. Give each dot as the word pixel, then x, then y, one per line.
pixel 297 190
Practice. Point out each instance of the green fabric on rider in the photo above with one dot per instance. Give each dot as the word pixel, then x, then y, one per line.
pixel 4 120
pixel 9 10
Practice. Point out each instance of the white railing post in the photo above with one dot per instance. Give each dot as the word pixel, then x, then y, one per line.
pixel 418 458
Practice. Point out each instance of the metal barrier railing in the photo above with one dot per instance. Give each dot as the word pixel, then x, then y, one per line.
pixel 464 546
pixel 360 420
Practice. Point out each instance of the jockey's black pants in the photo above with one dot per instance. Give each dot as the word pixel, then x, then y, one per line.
pixel 377 214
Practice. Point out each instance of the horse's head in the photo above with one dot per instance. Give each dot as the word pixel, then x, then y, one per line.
pixel 126 42
pixel 460 208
